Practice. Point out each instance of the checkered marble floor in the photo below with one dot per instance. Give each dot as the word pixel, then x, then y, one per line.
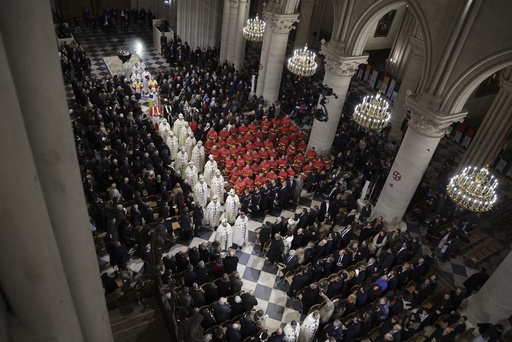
pixel 257 274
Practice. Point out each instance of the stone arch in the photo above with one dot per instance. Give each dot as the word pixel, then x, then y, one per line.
pixel 359 33
pixel 460 90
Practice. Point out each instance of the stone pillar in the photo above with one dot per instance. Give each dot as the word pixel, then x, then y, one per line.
pixel 492 302
pixel 226 13
pixel 280 25
pixel 426 129
pixel 57 186
pixel 338 74
pixel 493 130
pixel 411 79
pixel 399 55
pixel 243 12
pixel 232 33
pixel 306 11
pixel 267 38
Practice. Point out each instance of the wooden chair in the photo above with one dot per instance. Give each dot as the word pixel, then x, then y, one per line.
pixel 374 334
pixel 289 277
pixel 314 308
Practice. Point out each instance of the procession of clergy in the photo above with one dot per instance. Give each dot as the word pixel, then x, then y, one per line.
pixel 263 165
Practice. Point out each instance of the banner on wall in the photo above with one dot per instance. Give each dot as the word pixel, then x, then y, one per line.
pixel 367 71
pixel 383 88
pixel 391 87
pixel 373 79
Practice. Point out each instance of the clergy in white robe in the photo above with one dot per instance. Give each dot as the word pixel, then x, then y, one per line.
pixel 223 235
pixel 191 174
pixel 213 213
pixel 198 156
pixel 190 143
pixel 201 192
pixel 209 169
pixel 241 230
pixel 172 143
pixel 217 186
pixel 232 206
pixel 178 124
pixel 184 134
pixel 309 327
pixel 291 331
pixel 181 161
pixel 164 128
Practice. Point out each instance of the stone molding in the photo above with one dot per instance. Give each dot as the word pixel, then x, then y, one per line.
pixel 338 64
pixel 283 23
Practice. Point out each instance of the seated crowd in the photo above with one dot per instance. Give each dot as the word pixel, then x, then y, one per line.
pixel 352 277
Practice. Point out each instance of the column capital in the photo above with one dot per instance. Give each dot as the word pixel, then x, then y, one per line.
pixel 338 64
pixel 417 47
pixel 429 123
pixel 234 3
pixel 283 23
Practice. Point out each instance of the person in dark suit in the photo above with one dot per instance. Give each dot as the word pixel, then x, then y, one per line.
pixel 303 219
pixel 386 259
pixel 233 333
pixel 392 281
pixel 371 267
pixel 310 297
pixel 346 236
pixel 237 308
pixel 249 301
pixel 230 262
pixel 247 327
pixel 342 260
pixel 443 335
pixel 189 276
pixel 335 207
pixel 277 336
pixel 224 286
pixel 221 310
pixel 283 196
pixel 324 212
pixel 352 330
pixel 236 282
pixel 418 269
pixel 276 250
pixel 198 216
pixel 299 281
pixel 290 262
pixel 475 281
pixel 401 254
pixel 335 286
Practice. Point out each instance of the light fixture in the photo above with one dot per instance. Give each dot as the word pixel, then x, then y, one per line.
pixel 255 28
pixel 473 189
pixel 303 61
pixel 372 113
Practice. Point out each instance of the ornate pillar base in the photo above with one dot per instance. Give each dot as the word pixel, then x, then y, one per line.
pixel 339 70
pixel 420 142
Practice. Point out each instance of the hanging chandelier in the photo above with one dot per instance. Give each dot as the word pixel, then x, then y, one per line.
pixel 473 189
pixel 372 113
pixel 254 30
pixel 303 62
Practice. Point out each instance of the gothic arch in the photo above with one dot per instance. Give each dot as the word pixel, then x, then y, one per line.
pixel 460 91
pixel 359 33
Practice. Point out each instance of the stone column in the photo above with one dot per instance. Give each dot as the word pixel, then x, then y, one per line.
pixel 306 11
pixel 493 130
pixel 412 77
pixel 233 22
pixel 46 119
pixel 243 11
pixel 492 302
pixel 226 13
pixel 338 74
pixel 280 25
pixel 426 129
pixel 267 38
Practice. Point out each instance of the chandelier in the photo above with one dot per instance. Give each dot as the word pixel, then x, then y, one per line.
pixel 254 30
pixel 473 189
pixel 372 113
pixel 302 63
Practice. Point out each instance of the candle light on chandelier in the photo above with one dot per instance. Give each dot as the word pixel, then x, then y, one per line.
pixel 255 28
pixel 303 62
pixel 373 113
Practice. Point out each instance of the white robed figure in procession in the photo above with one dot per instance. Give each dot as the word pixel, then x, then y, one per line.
pixel 241 230
pixel 191 174
pixel 184 134
pixel 198 156
pixel 178 124
pixel 292 331
pixel 232 205
pixel 223 235
pixel 172 143
pixel 209 169
pixel 164 128
pixel 201 192
pixel 190 143
pixel 213 213
pixel 181 161
pixel 217 186
pixel 309 327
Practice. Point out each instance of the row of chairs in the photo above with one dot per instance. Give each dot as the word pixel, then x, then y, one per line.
pixel 485 252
